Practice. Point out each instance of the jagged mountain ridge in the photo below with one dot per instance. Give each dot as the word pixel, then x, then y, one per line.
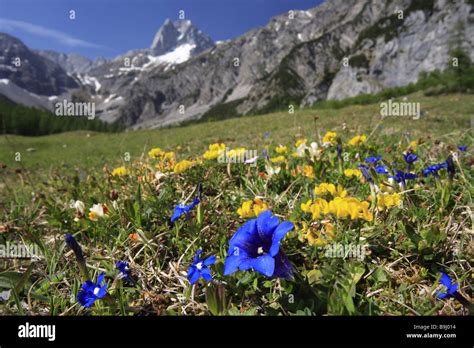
pixel 300 60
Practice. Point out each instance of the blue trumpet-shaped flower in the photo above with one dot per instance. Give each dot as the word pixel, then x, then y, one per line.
pixel 124 269
pixel 451 287
pixel 256 245
pixel 434 169
pixel 365 173
pixel 450 167
pixel 74 245
pixel 462 148
pixel 401 177
pixel 91 292
pixel 381 170
pixel 410 157
pixel 199 268
pixel 181 209
pixel 373 160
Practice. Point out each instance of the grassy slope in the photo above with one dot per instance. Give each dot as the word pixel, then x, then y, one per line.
pixel 445 115
pixel 408 245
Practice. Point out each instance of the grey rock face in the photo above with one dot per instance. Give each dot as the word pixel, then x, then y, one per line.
pixel 71 63
pixel 421 43
pixel 34 73
pixel 174 34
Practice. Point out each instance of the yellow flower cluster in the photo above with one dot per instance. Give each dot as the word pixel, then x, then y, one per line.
pixel 300 142
pixel 240 151
pixel 325 188
pixel 155 152
pixel 281 149
pixel 252 208
pixel 352 172
pixel 278 159
pixel 120 171
pixel 214 151
pixel 183 165
pixel 357 140
pixel 318 237
pixel 330 138
pixel 306 170
pixel 385 201
pixel 340 207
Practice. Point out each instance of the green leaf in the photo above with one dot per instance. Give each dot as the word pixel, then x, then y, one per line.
pixel 314 276
pixel 9 279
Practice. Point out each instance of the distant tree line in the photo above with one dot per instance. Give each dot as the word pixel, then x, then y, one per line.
pixel 22 120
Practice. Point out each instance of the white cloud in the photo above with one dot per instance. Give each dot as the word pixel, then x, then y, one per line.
pixel 65 39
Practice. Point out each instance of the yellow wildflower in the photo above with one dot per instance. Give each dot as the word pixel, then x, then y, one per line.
pixel 155 152
pixel 357 140
pixel 169 155
pixel 183 165
pixel 325 188
pixel 307 171
pixel 252 208
pixel 259 206
pixel 306 207
pixel 385 201
pixel 214 151
pixel 330 138
pixel 120 171
pixel 277 159
pixel 348 207
pixel 281 149
pixel 300 142
pixel 352 172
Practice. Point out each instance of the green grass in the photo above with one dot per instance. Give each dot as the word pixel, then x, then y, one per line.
pixel 407 245
pixel 444 115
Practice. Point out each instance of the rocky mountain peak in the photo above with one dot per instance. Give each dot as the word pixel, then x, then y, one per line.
pixel 171 35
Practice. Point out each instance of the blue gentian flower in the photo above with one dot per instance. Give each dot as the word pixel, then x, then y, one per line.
pixel 401 177
pixel 181 209
pixel 373 160
pixel 365 172
pixel 74 245
pixel 124 269
pixel 381 170
pixel 410 157
pixel 450 167
pixel 91 292
pixel 451 287
pixel 462 148
pixel 266 135
pixel 434 169
pixel 199 268
pixel 339 151
pixel 256 245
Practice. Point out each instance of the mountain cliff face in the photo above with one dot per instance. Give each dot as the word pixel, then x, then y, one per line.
pixel 298 58
pixel 175 34
pixel 339 49
pixel 71 63
pixel 34 73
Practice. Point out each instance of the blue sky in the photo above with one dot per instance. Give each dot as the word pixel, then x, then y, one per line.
pixel 111 27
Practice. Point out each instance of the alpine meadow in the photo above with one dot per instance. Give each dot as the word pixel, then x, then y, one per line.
pixel 310 161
